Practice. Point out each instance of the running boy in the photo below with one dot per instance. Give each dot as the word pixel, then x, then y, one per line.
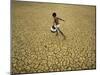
pixel 56 24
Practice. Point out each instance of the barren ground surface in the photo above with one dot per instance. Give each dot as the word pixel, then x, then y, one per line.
pixel 36 49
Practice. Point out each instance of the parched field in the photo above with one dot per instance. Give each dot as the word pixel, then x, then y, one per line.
pixel 36 49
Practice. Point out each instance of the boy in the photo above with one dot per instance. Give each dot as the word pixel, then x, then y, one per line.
pixel 56 24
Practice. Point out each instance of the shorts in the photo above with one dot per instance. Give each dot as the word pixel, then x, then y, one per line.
pixel 54 28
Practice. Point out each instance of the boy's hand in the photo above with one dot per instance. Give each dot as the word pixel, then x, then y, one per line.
pixel 62 20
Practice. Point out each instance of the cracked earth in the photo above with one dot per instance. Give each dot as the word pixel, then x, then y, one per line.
pixel 35 49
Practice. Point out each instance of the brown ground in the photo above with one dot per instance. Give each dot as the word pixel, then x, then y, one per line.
pixel 36 49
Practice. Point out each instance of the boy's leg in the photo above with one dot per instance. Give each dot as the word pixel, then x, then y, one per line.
pixel 61 33
pixel 57 32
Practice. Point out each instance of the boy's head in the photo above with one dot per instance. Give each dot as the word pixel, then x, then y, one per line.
pixel 54 14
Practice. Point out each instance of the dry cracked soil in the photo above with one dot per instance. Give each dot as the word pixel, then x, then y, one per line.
pixel 36 49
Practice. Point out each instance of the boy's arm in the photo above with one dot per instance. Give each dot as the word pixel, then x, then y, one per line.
pixel 61 19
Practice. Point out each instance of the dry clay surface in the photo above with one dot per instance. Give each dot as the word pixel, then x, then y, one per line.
pixel 36 49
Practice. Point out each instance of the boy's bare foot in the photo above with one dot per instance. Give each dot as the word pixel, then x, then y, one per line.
pixel 56 34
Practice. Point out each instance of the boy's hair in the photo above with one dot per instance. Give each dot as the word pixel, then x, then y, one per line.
pixel 54 14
